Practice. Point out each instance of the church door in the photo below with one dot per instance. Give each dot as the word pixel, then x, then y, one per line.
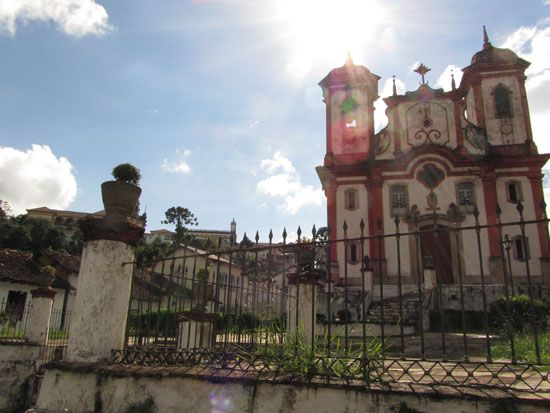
pixel 437 248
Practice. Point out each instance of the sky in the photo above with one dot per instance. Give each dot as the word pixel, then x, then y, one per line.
pixel 216 101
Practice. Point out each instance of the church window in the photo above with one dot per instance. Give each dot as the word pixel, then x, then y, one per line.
pixel 521 248
pixel 351 199
pixel 513 192
pixel 503 106
pixel 399 199
pixel 353 252
pixel 466 196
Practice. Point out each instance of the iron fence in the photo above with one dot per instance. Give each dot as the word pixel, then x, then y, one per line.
pixel 434 300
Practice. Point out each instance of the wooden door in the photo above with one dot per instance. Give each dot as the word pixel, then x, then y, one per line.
pixel 438 248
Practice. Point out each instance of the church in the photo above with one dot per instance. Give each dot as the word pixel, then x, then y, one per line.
pixel 443 159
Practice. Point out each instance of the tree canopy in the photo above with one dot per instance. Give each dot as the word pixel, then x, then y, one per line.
pixel 182 218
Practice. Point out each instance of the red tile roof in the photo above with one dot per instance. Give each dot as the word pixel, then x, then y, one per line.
pixel 19 267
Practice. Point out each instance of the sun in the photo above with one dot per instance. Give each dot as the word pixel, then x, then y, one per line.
pixel 327 29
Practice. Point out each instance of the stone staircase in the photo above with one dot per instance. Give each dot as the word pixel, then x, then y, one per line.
pixel 392 313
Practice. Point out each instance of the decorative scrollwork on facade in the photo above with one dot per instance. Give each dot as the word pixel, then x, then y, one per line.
pixel 427 124
pixel 476 136
pixel 382 143
pixel 430 136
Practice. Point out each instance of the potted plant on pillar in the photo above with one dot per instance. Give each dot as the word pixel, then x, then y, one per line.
pixel 121 196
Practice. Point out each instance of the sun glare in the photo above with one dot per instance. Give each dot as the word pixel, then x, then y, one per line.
pixel 327 29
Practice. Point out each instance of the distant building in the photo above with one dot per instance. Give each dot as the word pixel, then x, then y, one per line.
pixel 67 221
pixel 214 235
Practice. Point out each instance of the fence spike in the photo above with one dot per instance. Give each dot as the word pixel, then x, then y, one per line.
pixel 397 221
pixel 299 232
pixel 498 210
pixel 543 207
pixel 345 227
pixel 257 237
pixel 270 236
pixel 314 232
pixel 519 207
pixel 362 225
pixel 379 224
pixel 284 234
pixel 476 213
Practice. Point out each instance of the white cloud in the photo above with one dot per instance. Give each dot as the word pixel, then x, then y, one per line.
pixel 283 181
pixel 35 178
pixel 380 118
pixel 180 166
pixel 533 44
pixel 445 79
pixel 74 17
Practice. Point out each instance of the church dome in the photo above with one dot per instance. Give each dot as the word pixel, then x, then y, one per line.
pixel 491 54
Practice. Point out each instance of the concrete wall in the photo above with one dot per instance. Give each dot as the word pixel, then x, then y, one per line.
pixel 117 391
pixel 18 364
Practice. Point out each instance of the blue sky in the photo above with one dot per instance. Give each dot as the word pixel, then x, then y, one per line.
pixel 216 101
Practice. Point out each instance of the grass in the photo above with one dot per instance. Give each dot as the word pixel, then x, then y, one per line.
pixel 295 355
pixel 524 344
pixel 12 333
pixel 58 335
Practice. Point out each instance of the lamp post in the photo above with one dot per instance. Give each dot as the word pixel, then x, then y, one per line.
pixel 507 243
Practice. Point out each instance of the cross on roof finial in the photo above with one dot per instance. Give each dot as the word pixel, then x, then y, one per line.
pixel 422 70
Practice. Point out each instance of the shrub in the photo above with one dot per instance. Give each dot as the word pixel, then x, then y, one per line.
pixel 519 314
pixel 237 322
pixel 163 321
pixel 474 320
pixel 126 172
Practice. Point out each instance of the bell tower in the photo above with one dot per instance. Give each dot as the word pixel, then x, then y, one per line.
pixel 349 93
pixel 496 96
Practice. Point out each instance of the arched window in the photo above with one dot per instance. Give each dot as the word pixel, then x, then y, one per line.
pixel 351 199
pixel 399 199
pixel 503 106
pixel 466 196
pixel 513 192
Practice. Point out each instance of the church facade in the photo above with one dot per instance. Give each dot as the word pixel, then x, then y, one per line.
pixel 444 158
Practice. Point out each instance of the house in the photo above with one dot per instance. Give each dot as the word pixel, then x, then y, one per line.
pixel 20 273
pixel 176 282
pixel 442 157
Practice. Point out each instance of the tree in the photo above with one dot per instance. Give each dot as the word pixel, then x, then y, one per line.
pixel 146 254
pixel 4 209
pixel 182 218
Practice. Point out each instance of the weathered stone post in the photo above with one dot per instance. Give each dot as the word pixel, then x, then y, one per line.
pixel 430 280
pixel 195 330
pixel 303 292
pixel 38 322
pixel 105 279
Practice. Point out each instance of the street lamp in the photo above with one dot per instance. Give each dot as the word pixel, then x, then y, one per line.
pixel 508 243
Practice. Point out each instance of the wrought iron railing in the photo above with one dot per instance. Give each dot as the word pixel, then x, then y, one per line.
pixel 392 315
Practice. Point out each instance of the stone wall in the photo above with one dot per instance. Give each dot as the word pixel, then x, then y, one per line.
pixel 81 388
pixel 18 365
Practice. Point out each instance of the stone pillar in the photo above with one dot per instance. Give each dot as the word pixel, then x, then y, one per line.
pixel 303 290
pixel 38 323
pixel 104 285
pixel 196 330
